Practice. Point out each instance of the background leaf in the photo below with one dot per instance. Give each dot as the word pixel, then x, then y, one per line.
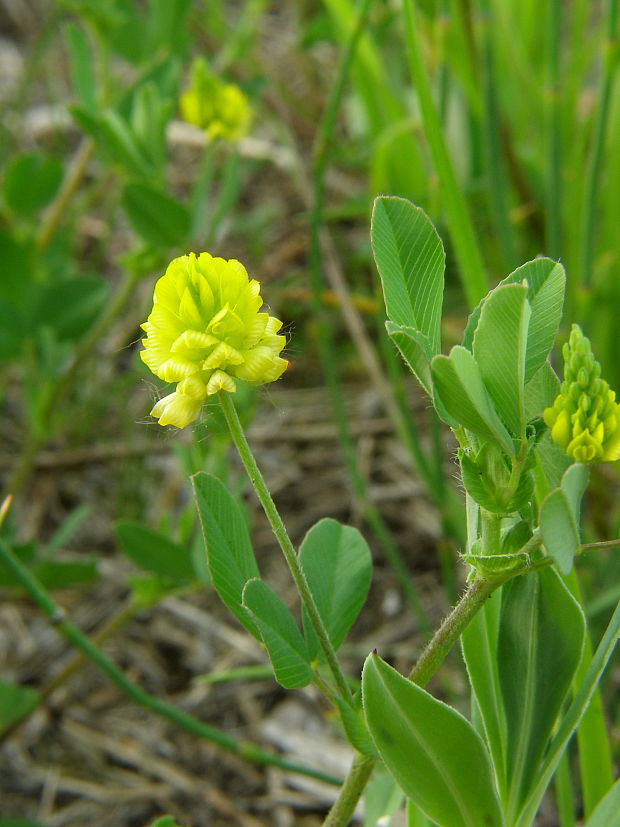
pixel 154 551
pixel 607 812
pixel 434 754
pixel 287 648
pixel 227 541
pixel 338 567
pixel 31 181
pixel 70 306
pixel 15 703
pixel 155 216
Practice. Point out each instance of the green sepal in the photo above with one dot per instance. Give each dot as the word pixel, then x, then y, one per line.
pixel 493 565
pixel 486 478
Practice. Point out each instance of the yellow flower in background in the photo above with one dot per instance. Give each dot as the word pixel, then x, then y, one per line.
pixel 585 417
pixel 221 109
pixel 205 331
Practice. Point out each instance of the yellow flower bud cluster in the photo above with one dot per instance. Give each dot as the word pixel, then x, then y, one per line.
pixel 205 331
pixel 585 417
pixel 221 109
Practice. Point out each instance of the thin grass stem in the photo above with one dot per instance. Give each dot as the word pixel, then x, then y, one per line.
pixel 74 635
pixel 608 76
pixel 471 267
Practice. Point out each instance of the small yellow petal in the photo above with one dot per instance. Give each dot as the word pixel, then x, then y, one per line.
pixel 220 381
pixel 176 409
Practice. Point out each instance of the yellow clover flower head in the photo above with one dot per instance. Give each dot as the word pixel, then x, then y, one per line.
pixel 221 109
pixel 585 417
pixel 205 331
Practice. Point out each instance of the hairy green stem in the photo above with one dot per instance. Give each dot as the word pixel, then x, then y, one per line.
pixel 72 633
pixel 279 529
pixel 350 792
pixel 58 208
pixel 450 630
pixel 429 661
pixel 466 248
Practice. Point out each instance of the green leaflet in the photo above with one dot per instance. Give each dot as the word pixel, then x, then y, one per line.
pixel 499 348
pixel 287 649
pixel 337 564
pixel 559 517
pixel 458 384
pixel 411 262
pixel 546 281
pixel 229 550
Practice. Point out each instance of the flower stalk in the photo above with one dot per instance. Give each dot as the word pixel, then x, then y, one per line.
pixel 279 529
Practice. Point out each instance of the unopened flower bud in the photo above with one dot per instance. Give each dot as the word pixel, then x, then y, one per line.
pixel 584 418
pixel 221 109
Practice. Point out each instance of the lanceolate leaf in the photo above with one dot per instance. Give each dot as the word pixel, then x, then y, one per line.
pixel 499 349
pixel 411 262
pixel 570 719
pixel 229 551
pixel 479 642
pixel 539 646
pixel 287 648
pixel 459 386
pixel 546 281
pixel 338 566
pixel 435 755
